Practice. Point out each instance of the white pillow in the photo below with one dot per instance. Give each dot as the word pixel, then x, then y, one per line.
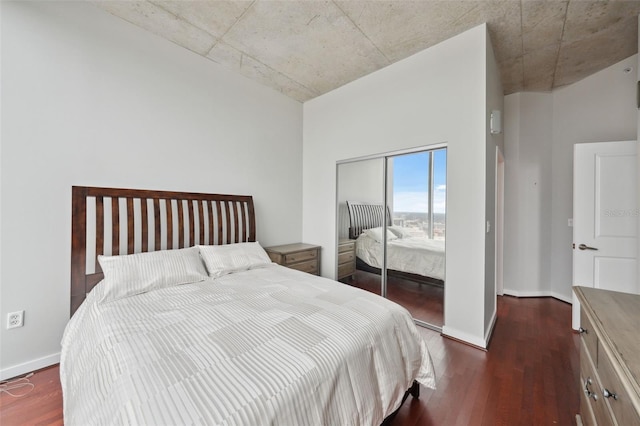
pixel 132 274
pixel 376 234
pixel 401 232
pixel 228 258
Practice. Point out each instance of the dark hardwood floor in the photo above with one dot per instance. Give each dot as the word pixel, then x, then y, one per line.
pixel 529 376
pixel 42 406
pixel 424 301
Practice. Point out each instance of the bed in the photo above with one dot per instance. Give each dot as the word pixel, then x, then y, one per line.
pixel 179 317
pixel 408 256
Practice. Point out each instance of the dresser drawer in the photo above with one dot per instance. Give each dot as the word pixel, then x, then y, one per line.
pixel 610 353
pixel 589 336
pixel 586 413
pixel 310 266
pixel 590 388
pixel 300 256
pixel 621 405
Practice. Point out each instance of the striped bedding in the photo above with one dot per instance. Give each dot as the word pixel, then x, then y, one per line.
pixel 264 346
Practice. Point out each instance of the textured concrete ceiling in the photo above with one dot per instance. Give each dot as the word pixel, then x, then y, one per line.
pixel 306 48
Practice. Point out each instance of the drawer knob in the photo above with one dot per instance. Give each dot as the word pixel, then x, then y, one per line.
pixel 607 394
pixel 583 331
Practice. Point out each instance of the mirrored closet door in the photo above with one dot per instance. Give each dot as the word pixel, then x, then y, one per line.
pixel 392 221
pixel 359 182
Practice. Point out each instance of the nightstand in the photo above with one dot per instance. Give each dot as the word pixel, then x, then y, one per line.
pixel 300 256
pixel 346 258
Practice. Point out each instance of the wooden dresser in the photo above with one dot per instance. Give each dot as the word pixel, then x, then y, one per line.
pixel 346 258
pixel 609 357
pixel 300 256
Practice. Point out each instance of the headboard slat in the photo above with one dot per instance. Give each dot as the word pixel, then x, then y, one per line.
pixel 210 214
pixel 115 225
pixel 235 214
pixel 192 225
pixel 144 225
pixel 130 226
pixel 244 220
pixel 201 221
pixel 83 280
pixel 227 209
pixel 180 206
pixel 169 225
pixel 219 217
pixel 99 230
pixel 156 224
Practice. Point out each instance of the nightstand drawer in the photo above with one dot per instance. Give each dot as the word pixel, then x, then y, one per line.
pixel 310 266
pixel 346 245
pixel 300 256
pixel 346 269
pixel 346 257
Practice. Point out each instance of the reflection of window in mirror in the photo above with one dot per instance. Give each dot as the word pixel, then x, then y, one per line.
pixel 417 196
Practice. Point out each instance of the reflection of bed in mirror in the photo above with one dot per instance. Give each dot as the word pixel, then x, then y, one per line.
pixel 409 256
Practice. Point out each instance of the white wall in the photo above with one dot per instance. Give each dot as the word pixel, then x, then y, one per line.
pixel 528 180
pixel 494 101
pixel 435 96
pixel 540 131
pixel 599 108
pixel 88 99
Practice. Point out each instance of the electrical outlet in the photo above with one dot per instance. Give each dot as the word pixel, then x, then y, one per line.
pixel 15 319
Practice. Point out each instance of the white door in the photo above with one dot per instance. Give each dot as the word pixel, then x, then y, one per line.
pixel 605 218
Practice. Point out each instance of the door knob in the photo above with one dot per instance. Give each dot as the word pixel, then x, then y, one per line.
pixel 586 247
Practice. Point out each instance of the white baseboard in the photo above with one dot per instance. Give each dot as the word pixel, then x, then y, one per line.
pixel 564 298
pixel 27 367
pixel 539 293
pixel 489 332
pixel 465 337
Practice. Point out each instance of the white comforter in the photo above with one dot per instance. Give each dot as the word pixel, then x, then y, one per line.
pixel 417 255
pixel 264 346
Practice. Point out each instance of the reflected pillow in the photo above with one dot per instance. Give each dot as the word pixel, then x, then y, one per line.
pixel 376 234
pixel 401 231
pixel 228 258
pixel 132 274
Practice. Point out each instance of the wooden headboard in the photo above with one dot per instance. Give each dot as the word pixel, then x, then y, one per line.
pixel 124 221
pixel 363 216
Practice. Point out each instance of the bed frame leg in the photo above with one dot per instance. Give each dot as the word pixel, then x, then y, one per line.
pixel 414 390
